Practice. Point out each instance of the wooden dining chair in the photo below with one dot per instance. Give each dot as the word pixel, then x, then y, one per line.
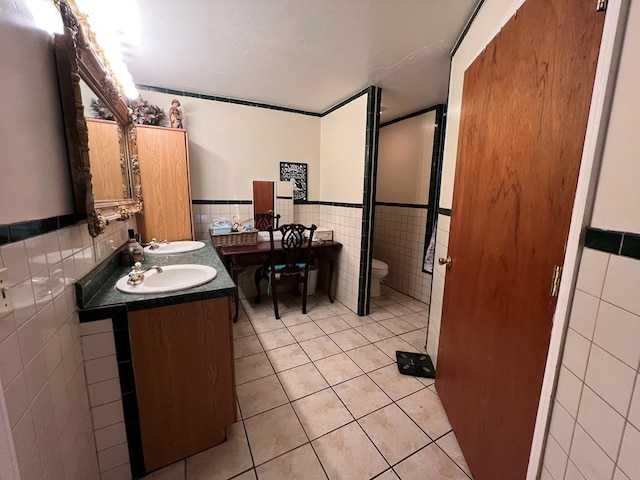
pixel 289 260
pixel 262 221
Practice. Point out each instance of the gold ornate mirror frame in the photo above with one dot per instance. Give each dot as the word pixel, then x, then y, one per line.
pixel 77 59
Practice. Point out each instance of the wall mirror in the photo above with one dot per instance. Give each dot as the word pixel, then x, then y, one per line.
pixel 102 154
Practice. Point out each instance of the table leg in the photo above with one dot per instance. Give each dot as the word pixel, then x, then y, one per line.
pixel 234 276
pixel 330 279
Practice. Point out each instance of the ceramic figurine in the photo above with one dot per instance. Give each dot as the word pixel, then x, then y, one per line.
pixel 175 114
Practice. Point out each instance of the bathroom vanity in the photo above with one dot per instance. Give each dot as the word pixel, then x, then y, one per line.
pixel 175 358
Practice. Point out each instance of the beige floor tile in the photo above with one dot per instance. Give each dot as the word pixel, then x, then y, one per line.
pixel 243 347
pixel 306 331
pixel 252 367
pixel 243 329
pixel 369 358
pixel 393 432
pixel 361 396
pixel 273 433
pixel 320 347
pixel 427 382
pixel 175 471
pixel 379 313
pixel 347 454
pixel 319 312
pixel 418 320
pixel 355 320
pixel 266 324
pixel 332 324
pixel 424 408
pixel 284 358
pixel 381 301
pixel 449 443
pixel 260 395
pixel 393 383
pixel 301 381
pixel 390 345
pixel 397 325
pixel 299 464
pixel 430 462
pixel 250 475
pixel 338 308
pixel 276 338
pixel 375 332
pixel 388 475
pixel 222 461
pixel 417 339
pixel 338 368
pixel 398 309
pixel 416 306
pixel 295 318
pixel 349 339
pixel 321 413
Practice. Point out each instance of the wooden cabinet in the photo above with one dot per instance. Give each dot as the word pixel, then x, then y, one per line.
pixel 164 170
pixel 184 375
pixel 104 151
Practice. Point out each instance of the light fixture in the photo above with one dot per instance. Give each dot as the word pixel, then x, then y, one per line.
pixel 45 16
pixel 109 26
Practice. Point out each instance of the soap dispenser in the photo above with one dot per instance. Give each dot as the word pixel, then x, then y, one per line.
pixel 133 251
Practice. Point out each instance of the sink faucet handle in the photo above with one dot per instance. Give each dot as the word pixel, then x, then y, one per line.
pixel 137 267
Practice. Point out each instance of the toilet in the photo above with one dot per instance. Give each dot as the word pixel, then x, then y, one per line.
pixel 379 270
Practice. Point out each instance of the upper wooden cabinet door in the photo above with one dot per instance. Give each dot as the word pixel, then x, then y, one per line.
pixel 104 151
pixel 164 169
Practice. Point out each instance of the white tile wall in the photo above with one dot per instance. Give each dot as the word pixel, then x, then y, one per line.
pixel 399 241
pixel 597 410
pixel 40 354
pixel 203 215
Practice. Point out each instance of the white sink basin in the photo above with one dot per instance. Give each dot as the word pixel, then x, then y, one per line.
pixel 172 279
pixel 180 246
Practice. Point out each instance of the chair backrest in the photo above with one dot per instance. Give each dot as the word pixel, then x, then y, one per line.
pixel 295 247
pixel 262 221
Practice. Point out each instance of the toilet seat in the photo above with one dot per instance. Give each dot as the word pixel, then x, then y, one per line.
pixel 379 267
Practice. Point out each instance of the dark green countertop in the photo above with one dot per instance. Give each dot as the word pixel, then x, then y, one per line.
pixel 98 288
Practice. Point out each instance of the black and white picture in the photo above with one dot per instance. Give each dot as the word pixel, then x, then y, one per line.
pixel 297 174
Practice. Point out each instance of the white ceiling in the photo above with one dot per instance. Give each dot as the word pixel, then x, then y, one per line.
pixel 303 54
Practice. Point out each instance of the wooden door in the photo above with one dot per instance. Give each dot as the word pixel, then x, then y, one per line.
pixel 104 153
pixel 262 197
pixel 183 364
pixel 164 172
pixel 523 120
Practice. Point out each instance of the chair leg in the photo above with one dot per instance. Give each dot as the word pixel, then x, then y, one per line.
pixel 304 293
pixel 257 276
pixel 274 294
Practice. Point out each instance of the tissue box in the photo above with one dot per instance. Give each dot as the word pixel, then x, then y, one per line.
pixel 321 235
pixel 218 230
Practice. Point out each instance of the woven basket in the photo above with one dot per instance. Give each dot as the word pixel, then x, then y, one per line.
pixel 233 239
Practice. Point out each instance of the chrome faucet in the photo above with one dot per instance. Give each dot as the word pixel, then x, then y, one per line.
pixel 154 245
pixel 136 276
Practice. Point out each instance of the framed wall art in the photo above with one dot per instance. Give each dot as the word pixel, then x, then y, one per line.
pixel 297 174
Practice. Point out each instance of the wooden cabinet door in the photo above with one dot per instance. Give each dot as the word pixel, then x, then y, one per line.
pixel 184 374
pixel 164 171
pixel 104 152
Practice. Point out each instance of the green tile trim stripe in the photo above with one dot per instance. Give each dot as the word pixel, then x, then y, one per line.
pixel 368 202
pixel 625 244
pixel 221 202
pixel 330 204
pixel 410 115
pixel 403 205
pixel 444 211
pixel 15 232
pixel 247 103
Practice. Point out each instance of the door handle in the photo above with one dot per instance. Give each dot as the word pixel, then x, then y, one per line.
pixel 445 261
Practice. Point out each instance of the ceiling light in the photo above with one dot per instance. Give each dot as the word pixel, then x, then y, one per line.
pixel 45 16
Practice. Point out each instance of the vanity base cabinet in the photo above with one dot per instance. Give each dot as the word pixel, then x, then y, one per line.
pixel 184 375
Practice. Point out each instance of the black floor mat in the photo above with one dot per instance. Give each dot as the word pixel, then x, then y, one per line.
pixel 416 364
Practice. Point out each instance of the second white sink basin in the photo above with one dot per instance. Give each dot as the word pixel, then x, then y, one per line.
pixel 180 246
pixel 172 279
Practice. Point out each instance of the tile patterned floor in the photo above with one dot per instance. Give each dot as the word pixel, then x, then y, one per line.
pixel 320 396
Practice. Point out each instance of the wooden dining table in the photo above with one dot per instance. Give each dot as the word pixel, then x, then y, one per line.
pixel 238 258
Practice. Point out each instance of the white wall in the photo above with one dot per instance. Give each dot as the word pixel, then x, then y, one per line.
pixel 230 145
pixel 618 194
pixel 342 151
pixel 35 180
pixel 404 160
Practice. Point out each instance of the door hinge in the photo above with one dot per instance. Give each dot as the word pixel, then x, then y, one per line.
pixel 601 5
pixel 555 281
